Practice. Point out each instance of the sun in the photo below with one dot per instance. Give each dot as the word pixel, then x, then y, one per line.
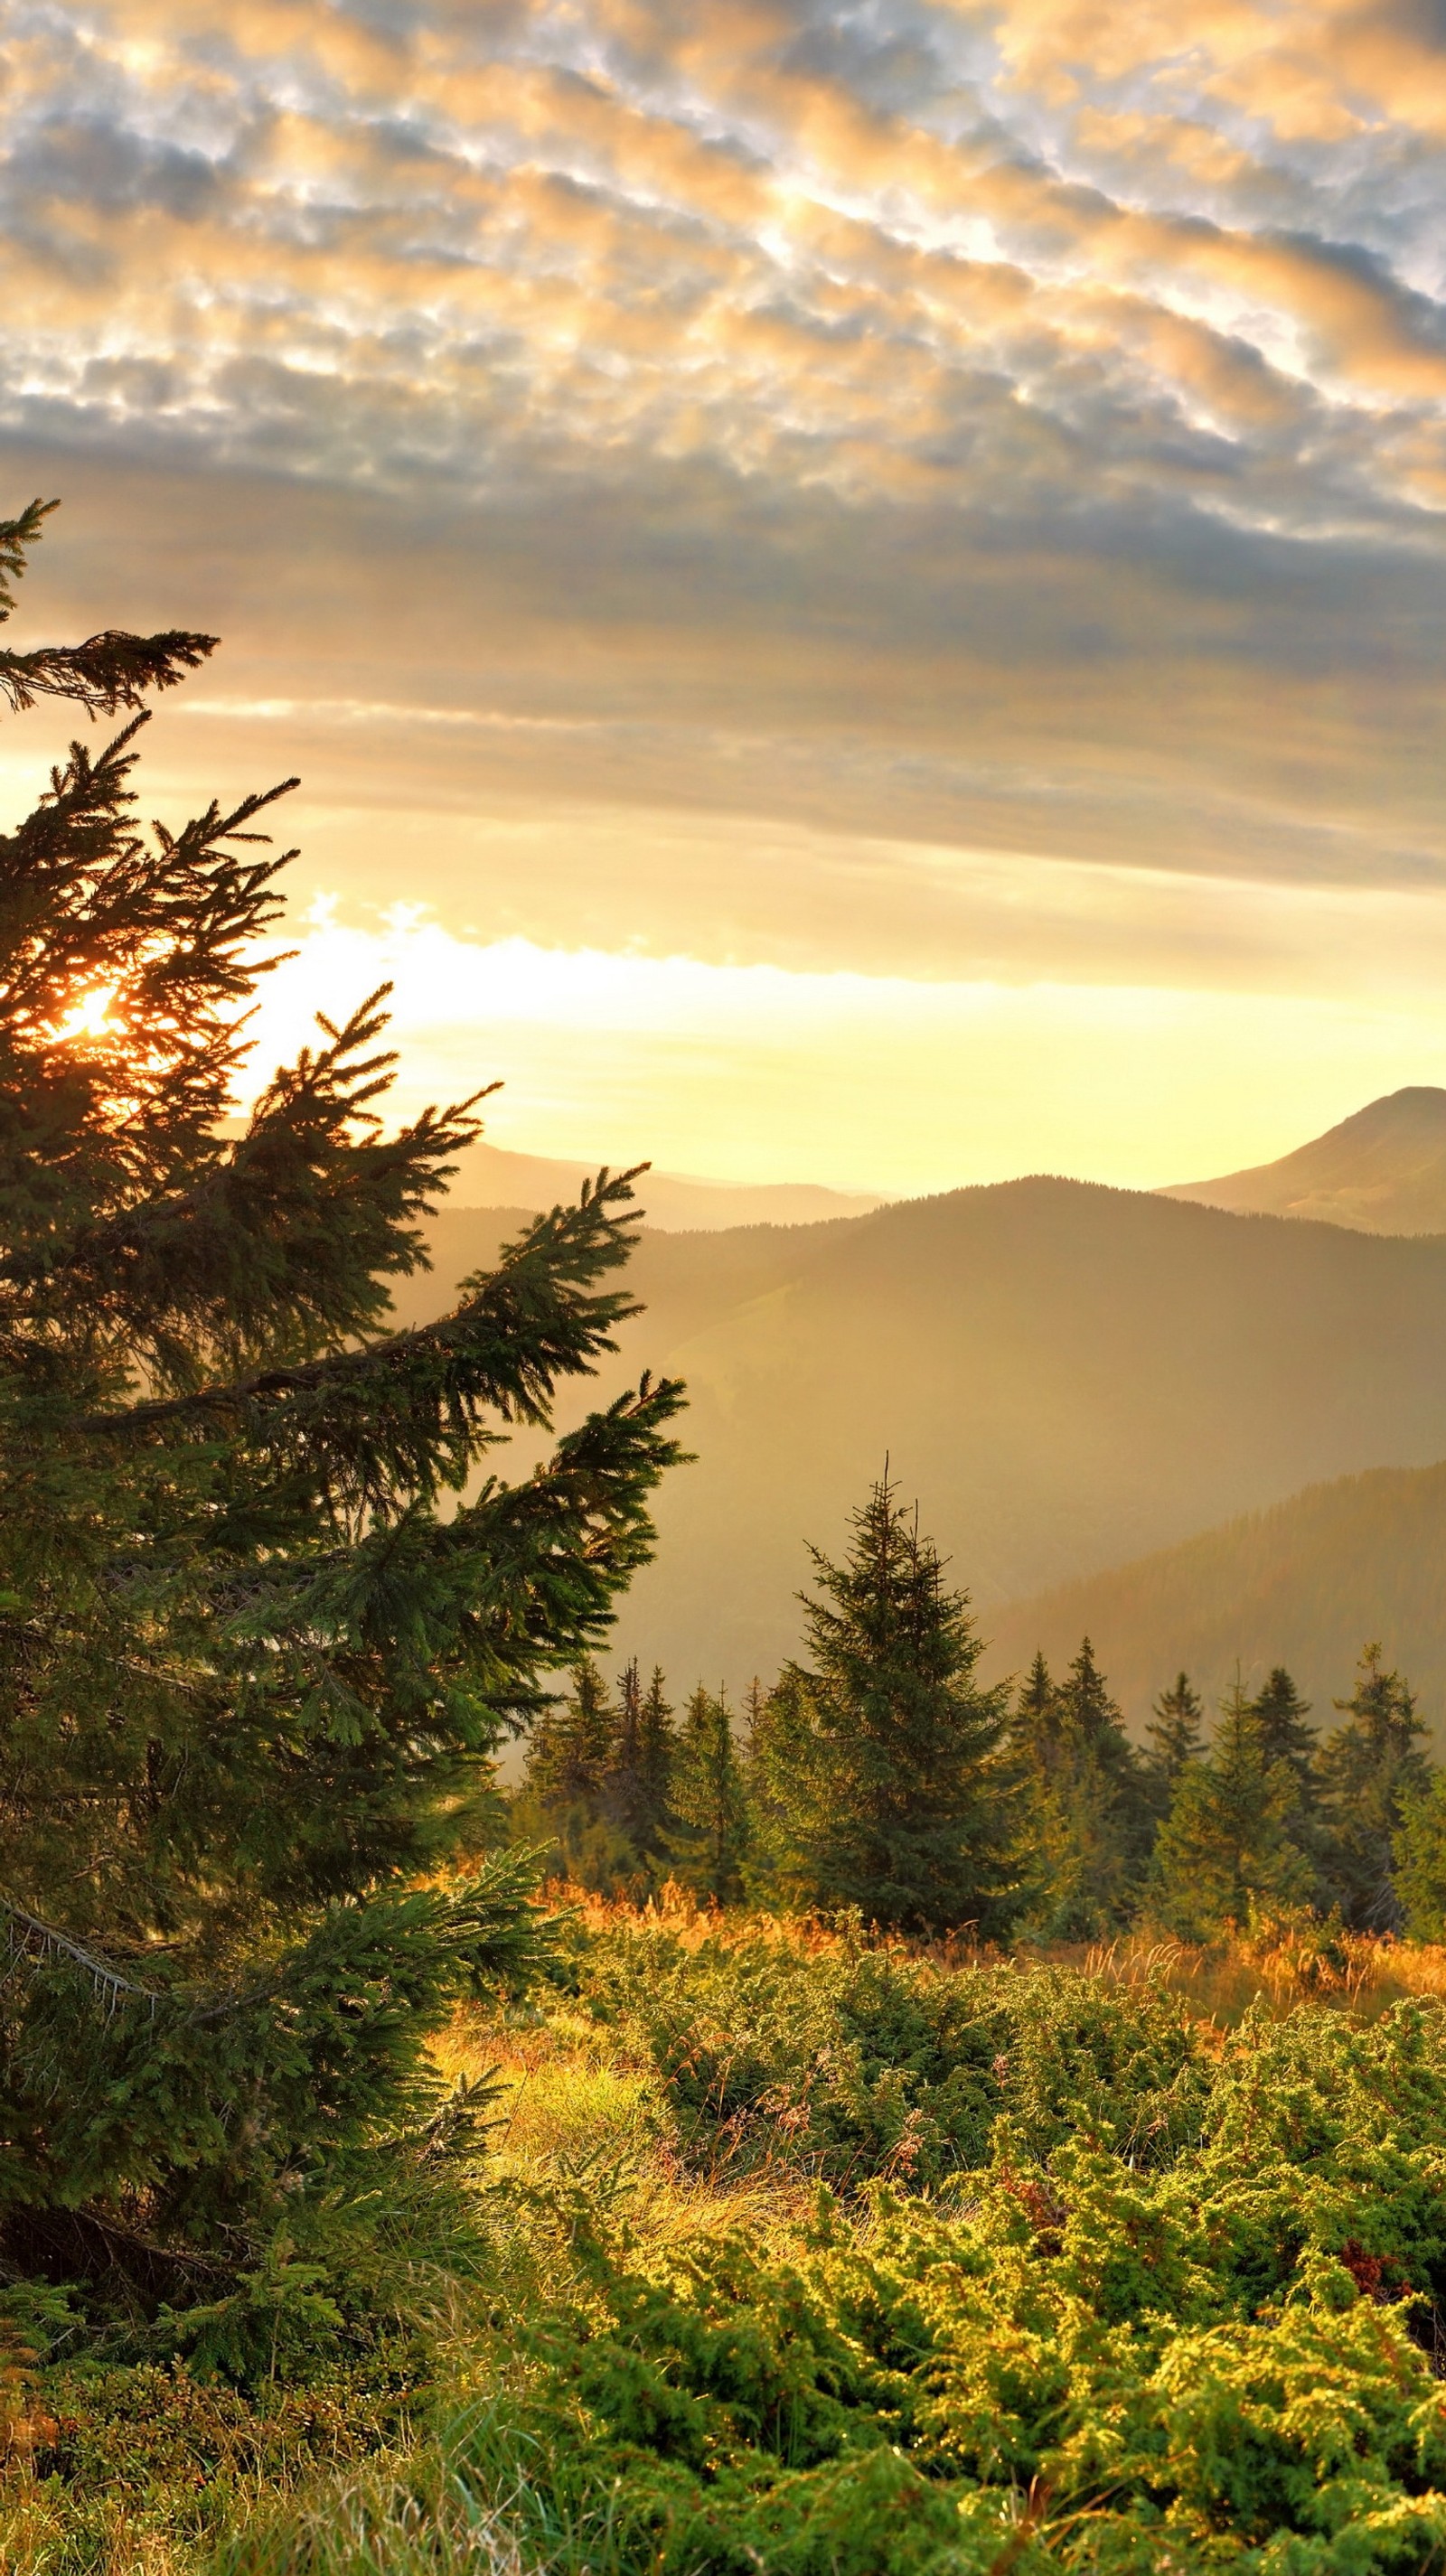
pixel 89 1015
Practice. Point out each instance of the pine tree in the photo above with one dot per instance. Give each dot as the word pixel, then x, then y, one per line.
pixel 1418 1852
pixel 657 1745
pixel 567 1798
pixel 635 1788
pixel 1282 1714
pixel 1086 1713
pixel 1369 1771
pixel 1174 1733
pixel 885 1753
pixel 775 1740
pixel 1288 1738
pixel 710 1837
pixel 621 1786
pixel 1088 1808
pixel 1034 1728
pixel 571 1752
pixel 1225 1851
pixel 261 1626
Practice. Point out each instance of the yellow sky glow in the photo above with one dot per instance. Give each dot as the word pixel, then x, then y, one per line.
pixel 758 1072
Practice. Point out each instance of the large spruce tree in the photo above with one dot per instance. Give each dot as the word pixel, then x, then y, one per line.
pixel 888 1782
pixel 264 1616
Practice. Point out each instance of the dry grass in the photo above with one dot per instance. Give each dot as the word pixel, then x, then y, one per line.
pixel 676 1911
pixel 429 2523
pixel 573 2115
pixel 1282 1965
pixel 38 2537
pixel 1297 1960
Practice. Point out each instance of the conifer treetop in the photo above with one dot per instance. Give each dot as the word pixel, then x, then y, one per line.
pixel 883 1752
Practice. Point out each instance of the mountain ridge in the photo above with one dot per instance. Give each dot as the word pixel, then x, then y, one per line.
pixel 673 1202
pixel 1068 1376
pixel 1380 1171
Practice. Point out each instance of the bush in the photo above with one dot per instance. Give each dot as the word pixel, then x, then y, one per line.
pixel 859 2062
pixel 1162 2301
pixel 1217 2358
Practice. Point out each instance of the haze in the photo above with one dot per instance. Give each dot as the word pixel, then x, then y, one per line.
pixel 857 589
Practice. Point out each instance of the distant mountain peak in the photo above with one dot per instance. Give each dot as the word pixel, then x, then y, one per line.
pixel 1419 1107
pixel 1381 1171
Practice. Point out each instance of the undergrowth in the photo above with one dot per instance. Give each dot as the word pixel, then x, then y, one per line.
pixel 828 2258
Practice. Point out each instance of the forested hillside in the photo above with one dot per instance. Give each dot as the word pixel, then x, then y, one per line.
pixel 1068 1376
pixel 1301 1584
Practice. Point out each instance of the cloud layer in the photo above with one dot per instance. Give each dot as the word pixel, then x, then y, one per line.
pixel 860 447
pixel 1044 263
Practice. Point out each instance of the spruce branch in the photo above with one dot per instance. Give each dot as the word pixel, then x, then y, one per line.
pixel 105 673
pixel 110 670
pixel 534 1319
pixel 28 1938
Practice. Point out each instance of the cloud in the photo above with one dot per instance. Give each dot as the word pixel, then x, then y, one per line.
pixel 903 256
pixel 728 475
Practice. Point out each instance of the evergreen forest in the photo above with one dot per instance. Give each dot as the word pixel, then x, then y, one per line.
pixel 474 2103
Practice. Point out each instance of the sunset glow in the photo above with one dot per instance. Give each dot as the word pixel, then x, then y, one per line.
pixel 769 1073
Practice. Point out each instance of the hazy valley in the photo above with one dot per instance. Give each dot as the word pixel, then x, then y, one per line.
pixel 1072 1379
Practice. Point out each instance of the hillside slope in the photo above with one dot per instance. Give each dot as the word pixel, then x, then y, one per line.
pixel 1382 1171
pixel 1067 1377
pixel 1304 1585
pixel 492 1176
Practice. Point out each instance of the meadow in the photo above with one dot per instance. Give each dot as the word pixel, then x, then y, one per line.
pixel 801 2251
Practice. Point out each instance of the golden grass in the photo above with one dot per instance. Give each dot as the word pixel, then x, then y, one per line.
pixel 427 2522
pixel 573 2112
pixel 677 1912
pixel 1297 1960
pixel 38 2537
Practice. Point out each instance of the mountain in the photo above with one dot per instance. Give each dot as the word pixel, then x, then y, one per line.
pixel 491 1176
pixel 1067 1376
pixel 1382 1172
pixel 1303 1585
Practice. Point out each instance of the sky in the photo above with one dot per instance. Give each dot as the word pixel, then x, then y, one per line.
pixel 858 592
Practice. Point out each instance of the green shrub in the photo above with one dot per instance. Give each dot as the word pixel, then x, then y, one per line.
pixel 1134 2305
pixel 1105 2344
pixel 859 2062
